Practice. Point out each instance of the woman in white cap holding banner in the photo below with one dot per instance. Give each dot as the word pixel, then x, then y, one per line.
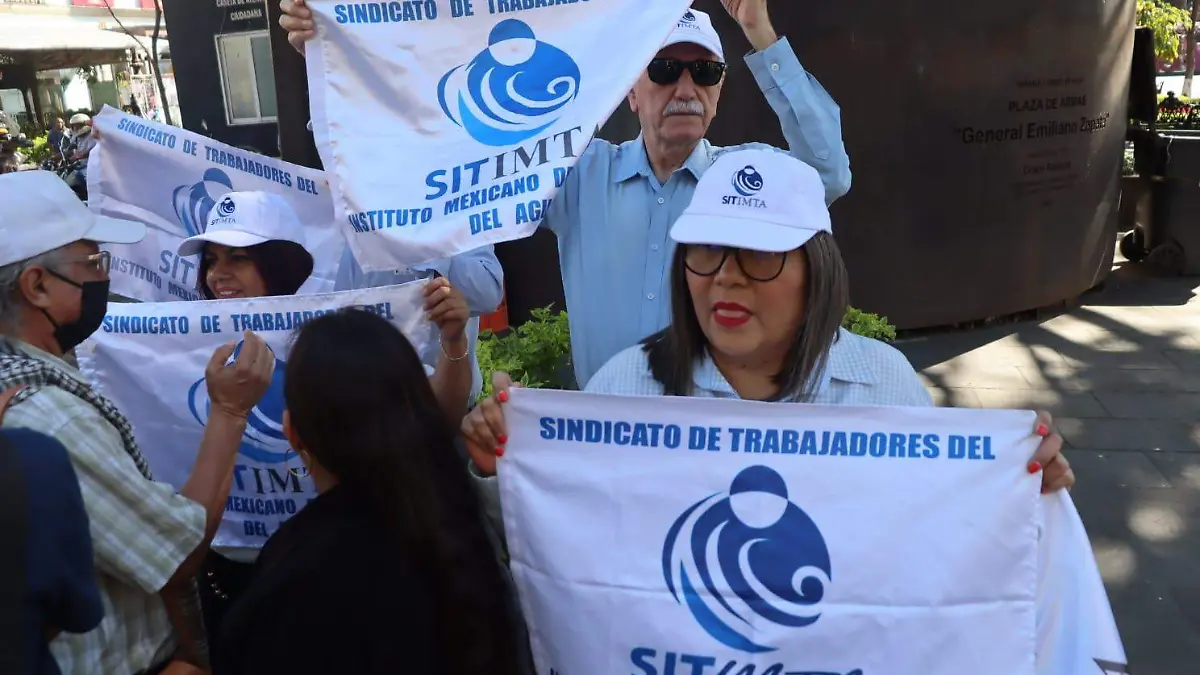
pixel 253 246
pixel 759 290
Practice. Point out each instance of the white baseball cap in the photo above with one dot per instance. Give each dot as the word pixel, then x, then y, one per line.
pixel 695 27
pixel 39 213
pixel 244 219
pixel 760 199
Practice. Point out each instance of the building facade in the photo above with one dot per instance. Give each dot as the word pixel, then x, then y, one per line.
pixel 60 56
pixel 222 56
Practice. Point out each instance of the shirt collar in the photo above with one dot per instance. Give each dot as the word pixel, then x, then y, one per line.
pixel 846 364
pixel 635 162
pixel 31 351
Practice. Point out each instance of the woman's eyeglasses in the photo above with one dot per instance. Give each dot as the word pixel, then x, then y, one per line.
pixel 760 266
pixel 668 71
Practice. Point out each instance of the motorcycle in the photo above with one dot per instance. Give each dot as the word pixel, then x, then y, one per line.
pixel 58 158
pixel 72 171
pixel 75 174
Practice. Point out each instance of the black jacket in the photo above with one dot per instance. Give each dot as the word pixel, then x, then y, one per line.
pixel 330 595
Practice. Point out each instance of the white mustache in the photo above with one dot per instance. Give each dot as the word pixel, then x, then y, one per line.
pixel 678 107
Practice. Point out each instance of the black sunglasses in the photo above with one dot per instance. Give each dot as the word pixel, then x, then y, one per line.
pixel 668 71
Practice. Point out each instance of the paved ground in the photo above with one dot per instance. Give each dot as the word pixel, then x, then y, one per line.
pixel 1121 375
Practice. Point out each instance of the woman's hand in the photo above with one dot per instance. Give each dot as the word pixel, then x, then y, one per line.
pixel 484 429
pixel 1056 471
pixel 446 307
pixel 298 22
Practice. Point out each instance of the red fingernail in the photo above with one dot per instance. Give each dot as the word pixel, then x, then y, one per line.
pixel 503 396
pixel 1035 467
pixel 1042 430
pixel 503 439
pixel 499 452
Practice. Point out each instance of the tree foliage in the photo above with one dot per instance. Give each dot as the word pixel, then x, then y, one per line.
pixel 1165 20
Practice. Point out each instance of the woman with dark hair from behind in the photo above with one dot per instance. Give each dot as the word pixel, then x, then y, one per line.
pixel 389 569
pixel 254 246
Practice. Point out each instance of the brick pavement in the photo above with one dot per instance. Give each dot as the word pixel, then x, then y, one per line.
pixel 1121 375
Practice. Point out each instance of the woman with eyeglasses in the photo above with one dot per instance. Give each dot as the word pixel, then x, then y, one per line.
pixel 759 291
pixel 253 246
pixel 389 570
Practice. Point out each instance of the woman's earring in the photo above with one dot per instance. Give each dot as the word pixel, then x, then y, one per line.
pixel 302 472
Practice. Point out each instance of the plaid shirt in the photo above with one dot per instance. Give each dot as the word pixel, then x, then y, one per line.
pixel 141 532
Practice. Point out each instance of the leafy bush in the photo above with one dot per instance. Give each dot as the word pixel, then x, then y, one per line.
pixel 868 325
pixel 537 353
pixel 40 151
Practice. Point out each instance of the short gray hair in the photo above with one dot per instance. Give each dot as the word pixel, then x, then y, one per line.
pixel 10 281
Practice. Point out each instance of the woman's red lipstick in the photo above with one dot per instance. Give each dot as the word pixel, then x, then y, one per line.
pixel 730 314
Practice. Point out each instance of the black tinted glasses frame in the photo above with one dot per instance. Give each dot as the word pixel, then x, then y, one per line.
pixel 756 265
pixel 705 73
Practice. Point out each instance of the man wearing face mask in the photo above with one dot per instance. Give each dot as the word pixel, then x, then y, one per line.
pixel 148 539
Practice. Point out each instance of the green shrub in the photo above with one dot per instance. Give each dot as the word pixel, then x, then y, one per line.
pixel 537 354
pixel 40 151
pixel 869 325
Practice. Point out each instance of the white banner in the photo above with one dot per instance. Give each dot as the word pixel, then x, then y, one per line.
pixel 706 537
pixel 169 179
pixel 149 359
pixel 449 124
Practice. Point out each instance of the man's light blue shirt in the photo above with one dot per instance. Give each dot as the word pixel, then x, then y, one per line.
pixel 476 273
pixel 612 216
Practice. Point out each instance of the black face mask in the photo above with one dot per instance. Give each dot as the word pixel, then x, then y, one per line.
pixel 93 305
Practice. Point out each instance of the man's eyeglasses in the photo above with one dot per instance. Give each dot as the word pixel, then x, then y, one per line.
pixel 97 262
pixel 706 261
pixel 668 71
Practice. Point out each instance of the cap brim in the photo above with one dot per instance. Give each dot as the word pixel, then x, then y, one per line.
pixel 231 238
pixel 738 233
pixel 107 230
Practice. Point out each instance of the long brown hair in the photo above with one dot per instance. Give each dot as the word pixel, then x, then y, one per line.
pixel 674 352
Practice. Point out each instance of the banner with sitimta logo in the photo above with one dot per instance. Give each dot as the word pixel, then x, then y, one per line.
pixel 447 125
pixel 717 537
pixel 149 359
pixel 169 179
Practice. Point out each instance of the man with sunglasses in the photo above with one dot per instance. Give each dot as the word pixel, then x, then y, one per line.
pixel 613 213
pixel 148 539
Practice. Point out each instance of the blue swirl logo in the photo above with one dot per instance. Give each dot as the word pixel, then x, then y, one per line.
pixel 747 182
pixel 688 17
pixel 226 207
pixel 749 553
pixel 263 440
pixel 192 203
pixel 512 90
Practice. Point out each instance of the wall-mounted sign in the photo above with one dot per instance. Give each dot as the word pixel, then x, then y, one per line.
pixel 244 14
